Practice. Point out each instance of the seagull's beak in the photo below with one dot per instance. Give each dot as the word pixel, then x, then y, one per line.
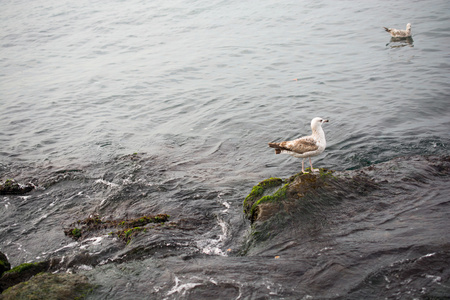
pixel 325 121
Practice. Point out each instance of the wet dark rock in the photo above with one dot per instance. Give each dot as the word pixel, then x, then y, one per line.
pixel 79 259
pixel 48 286
pixel 302 193
pixel 22 273
pixel 313 203
pixel 127 227
pixel 259 191
pixel 4 264
pixel 11 187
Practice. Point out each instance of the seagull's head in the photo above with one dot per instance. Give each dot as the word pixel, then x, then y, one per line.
pixel 408 26
pixel 317 122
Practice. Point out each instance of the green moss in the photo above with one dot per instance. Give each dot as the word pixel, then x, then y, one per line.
pixel 22 267
pixel 161 218
pixel 127 234
pixel 95 223
pixel 76 233
pixel 45 286
pixel 279 195
pixel 326 173
pixel 259 189
pixel 266 191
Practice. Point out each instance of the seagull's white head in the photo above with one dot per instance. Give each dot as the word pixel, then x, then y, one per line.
pixel 317 122
pixel 408 26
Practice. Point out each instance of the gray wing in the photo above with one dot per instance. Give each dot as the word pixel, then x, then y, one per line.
pixel 301 145
pixel 397 32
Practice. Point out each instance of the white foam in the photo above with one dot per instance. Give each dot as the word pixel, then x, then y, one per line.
pixel 211 246
pixel 85 267
pixel 110 184
pixel 182 288
pixel 95 241
pixel 428 255
pixel 71 245
pixel 435 278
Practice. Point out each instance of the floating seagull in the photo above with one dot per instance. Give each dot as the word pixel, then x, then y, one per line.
pixel 398 33
pixel 306 146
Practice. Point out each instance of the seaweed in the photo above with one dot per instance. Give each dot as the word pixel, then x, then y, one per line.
pixel 127 227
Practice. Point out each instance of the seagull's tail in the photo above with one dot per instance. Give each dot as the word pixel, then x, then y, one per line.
pixel 276 146
pixel 387 29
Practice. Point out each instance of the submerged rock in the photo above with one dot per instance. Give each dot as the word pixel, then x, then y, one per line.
pixel 311 206
pixel 48 286
pixel 302 193
pixel 128 227
pixel 11 187
pixel 22 273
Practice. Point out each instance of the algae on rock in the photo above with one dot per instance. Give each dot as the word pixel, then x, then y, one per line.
pixel 259 191
pixel 302 201
pixel 128 227
pixel 47 286
pixel 22 273
pixel 271 193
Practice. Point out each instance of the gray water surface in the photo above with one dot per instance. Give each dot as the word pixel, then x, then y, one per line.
pixel 198 89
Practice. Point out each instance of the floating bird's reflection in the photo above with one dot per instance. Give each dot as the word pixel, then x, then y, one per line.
pixel 397 42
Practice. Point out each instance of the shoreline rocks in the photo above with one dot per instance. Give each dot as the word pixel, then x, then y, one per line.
pixel 11 187
pixel 47 286
pixel 22 273
pixel 275 195
pixel 310 205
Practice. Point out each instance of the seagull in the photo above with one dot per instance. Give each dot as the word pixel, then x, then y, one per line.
pixel 306 146
pixel 398 33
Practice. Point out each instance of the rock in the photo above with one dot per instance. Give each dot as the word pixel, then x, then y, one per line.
pixel 25 271
pixel 47 286
pixel 11 187
pixel 303 191
pixel 22 273
pixel 308 198
pixel 310 206
pixel 260 191
pixel 4 264
pixel 128 227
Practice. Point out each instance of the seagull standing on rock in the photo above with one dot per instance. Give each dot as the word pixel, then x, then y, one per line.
pixel 398 33
pixel 306 146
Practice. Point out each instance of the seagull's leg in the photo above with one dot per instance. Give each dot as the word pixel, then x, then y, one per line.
pixel 312 170
pixel 303 165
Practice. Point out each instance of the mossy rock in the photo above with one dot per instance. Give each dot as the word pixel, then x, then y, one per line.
pixel 128 233
pixel 267 195
pixel 11 187
pixel 304 196
pixel 263 188
pixel 128 227
pixel 22 273
pixel 4 264
pixel 47 286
